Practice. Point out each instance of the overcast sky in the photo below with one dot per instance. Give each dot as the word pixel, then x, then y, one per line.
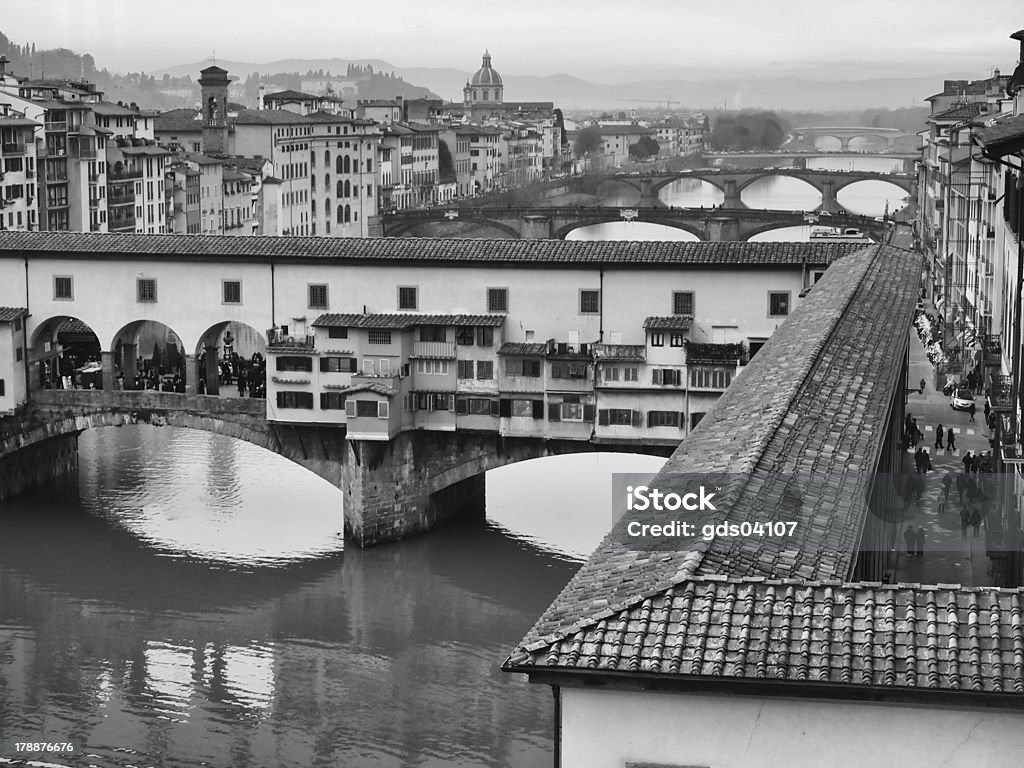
pixel 598 40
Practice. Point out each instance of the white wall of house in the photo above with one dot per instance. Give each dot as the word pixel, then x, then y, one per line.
pixel 608 729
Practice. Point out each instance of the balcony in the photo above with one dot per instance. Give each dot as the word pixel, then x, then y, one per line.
pixel 12 148
pixel 275 338
pixel 122 175
pixel 437 350
pixel 716 353
pixel 992 350
pixel 56 126
pixel 1000 393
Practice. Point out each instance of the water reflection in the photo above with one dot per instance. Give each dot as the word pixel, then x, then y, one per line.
pixel 630 230
pixel 800 234
pixel 853 163
pixel 782 193
pixel 152 656
pixel 871 198
pixel 691 193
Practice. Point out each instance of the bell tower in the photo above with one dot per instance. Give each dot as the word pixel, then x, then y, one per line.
pixel 214 83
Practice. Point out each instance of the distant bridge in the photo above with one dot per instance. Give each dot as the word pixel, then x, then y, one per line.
pixel 846 133
pixel 709 224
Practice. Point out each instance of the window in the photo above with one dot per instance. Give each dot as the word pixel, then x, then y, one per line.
pixel 618 417
pixel 464 336
pixel 295 400
pixel 332 401
pixel 484 336
pixel 590 302
pixel 484 370
pixel 476 406
pixel 317 295
pixel 682 303
pixel 465 369
pixel 657 339
pixel 338 365
pixel 497 299
pixel 695 419
pixel 755 346
pixel 432 367
pixel 666 377
pixel 146 289
pixel 664 419
pixel 433 333
pixel 366 408
pixel 378 337
pixel 571 411
pixel 523 408
pixel 232 291
pixel 517 366
pixel 709 377
pixel 63 289
pixel 19 354
pixel 1 387
pixel 611 374
pixel 630 374
pixel 407 297
pixel 337 333
pixel 291 363
pixel 778 303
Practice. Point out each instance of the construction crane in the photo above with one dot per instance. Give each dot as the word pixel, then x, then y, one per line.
pixel 667 102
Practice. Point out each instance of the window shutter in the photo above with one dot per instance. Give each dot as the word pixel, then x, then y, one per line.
pixel 554 411
pixel 323 365
pixel 635 417
pixel 324 403
pixel 602 417
pixel 280 400
pixel 656 376
pixel 494 407
pixel 650 418
pixel 588 412
pixel 350 408
pixel 505 408
pixel 461 405
pixel 538 409
pixel 383 410
pixel 534 368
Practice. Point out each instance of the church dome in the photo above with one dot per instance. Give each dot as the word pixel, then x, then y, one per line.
pixel 486 75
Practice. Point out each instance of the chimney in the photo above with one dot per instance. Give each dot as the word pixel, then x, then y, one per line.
pixel 3 66
pixel 260 93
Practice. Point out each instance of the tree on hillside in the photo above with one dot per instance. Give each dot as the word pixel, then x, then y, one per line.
pixel 644 148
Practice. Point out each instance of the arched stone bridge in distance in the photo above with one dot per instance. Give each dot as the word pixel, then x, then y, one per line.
pixel 708 224
pixel 732 183
pixel 438 473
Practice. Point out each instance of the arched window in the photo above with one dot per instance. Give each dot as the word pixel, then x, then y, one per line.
pixel 312 159
pixel 341 214
pixel 337 164
pixel 476 95
pixel 348 165
pixel 487 95
pixel 327 208
pixel 327 158
pixel 341 189
pixel 348 214
pixel 348 189
pixel 327 181
pixel 312 183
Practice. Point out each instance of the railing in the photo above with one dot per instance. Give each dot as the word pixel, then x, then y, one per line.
pixel 87 153
pixel 150 400
pixel 13 148
pixel 716 353
pixel 57 125
pixel 276 338
pixel 120 175
pixel 441 350
pixel 1000 393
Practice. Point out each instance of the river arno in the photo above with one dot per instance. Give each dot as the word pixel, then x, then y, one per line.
pixel 191 606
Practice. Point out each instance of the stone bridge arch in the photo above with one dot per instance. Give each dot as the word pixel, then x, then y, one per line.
pixel 405 227
pixel 560 233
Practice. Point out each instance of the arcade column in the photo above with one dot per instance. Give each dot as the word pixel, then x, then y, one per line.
pixel 212 370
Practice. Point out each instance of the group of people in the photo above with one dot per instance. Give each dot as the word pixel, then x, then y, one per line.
pixel 249 375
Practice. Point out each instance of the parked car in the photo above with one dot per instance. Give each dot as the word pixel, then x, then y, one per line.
pixel 962 400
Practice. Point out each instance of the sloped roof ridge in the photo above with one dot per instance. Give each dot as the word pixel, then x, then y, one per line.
pixel 821 303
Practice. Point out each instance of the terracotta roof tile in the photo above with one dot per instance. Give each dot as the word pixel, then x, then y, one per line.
pixel 522 348
pixel 671 323
pixel 7 314
pixel 404 320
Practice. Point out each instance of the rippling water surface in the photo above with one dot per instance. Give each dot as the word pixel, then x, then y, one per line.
pixel 192 605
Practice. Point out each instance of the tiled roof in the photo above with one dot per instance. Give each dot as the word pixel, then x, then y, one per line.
pixel 629 352
pixel 429 250
pixel 268 117
pixel 290 96
pixel 960 112
pixel 671 323
pixel 7 314
pixel 177 124
pixel 900 636
pixel 108 108
pixel 401 321
pixel 1002 137
pixel 18 122
pixel 74 325
pixel 370 386
pixel 811 405
pixel 521 348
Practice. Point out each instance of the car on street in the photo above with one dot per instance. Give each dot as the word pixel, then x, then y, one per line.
pixel 961 400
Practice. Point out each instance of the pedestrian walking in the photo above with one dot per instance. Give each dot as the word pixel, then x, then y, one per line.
pixel 926 459
pixel 922 386
pixel 972 410
pixel 938 436
pixel 947 480
pixel 918 435
pixel 910 537
pixel 975 521
pixel 961 485
pixel 919 540
pixel 965 520
pixel 950 439
pixel 988 410
pixel 918 462
pixel 968 461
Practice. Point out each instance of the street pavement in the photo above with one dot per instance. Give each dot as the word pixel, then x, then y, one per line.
pixel 949 557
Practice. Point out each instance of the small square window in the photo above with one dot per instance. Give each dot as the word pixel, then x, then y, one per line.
pixel 590 302
pixel 675 339
pixel 657 339
pixel 682 303
pixel 778 303
pixel 497 299
pixel 407 298
pixel 63 289
pixel 146 289
pixel 337 332
pixel 317 295
pixel 232 291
